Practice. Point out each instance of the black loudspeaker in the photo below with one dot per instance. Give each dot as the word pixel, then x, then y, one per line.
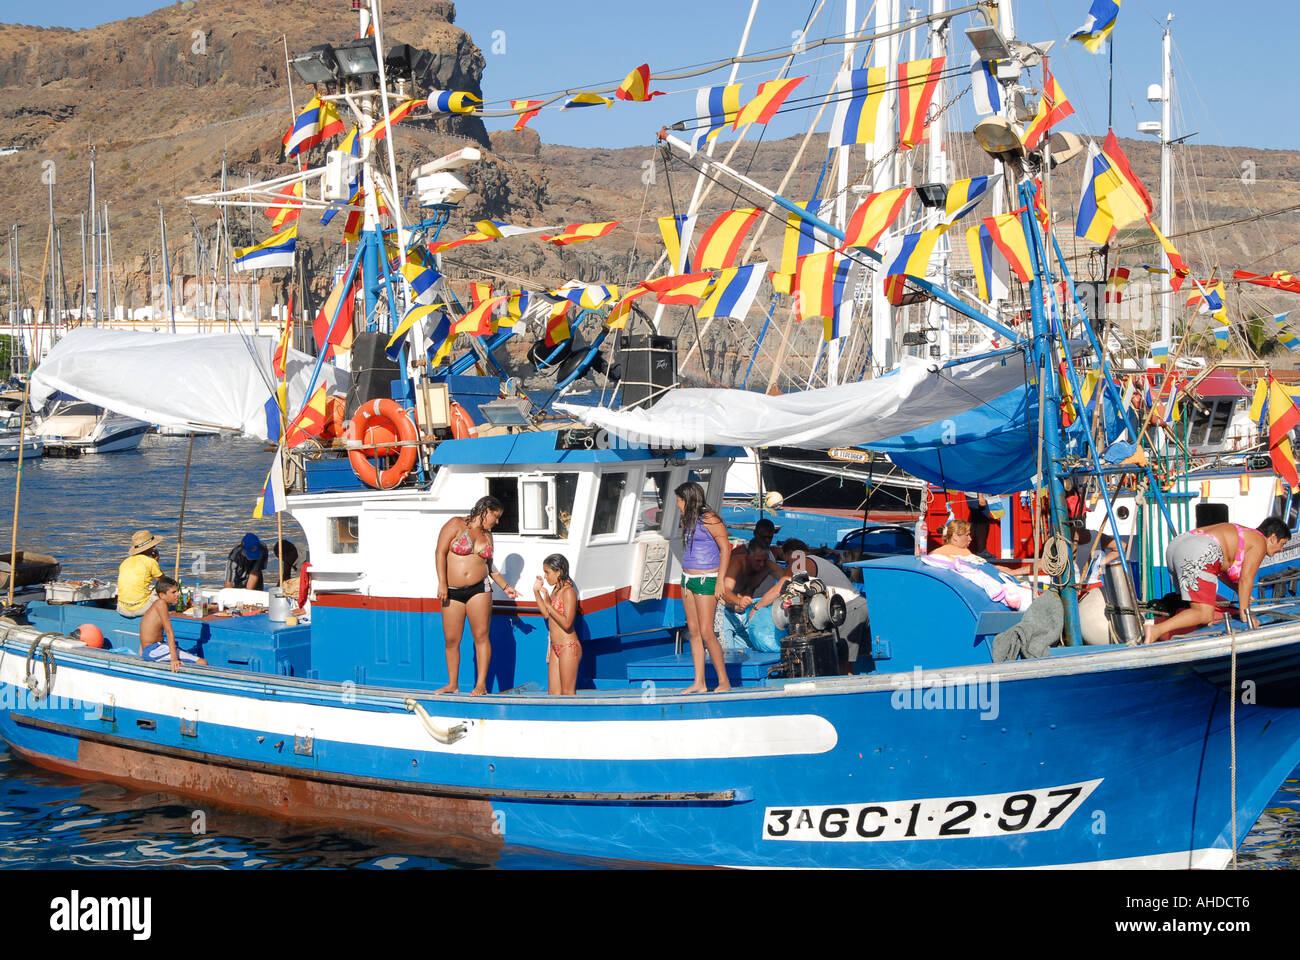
pixel 1208 513
pixel 372 372
pixel 649 368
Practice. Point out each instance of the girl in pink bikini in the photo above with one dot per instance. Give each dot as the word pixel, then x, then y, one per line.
pixel 1196 562
pixel 560 608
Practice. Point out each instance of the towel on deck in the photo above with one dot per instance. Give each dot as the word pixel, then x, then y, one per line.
pixel 1037 630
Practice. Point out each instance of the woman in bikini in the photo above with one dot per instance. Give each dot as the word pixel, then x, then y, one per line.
pixel 560 608
pixel 464 560
pixel 706 554
pixel 1196 564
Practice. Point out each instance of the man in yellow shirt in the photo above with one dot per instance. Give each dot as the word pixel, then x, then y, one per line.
pixel 137 573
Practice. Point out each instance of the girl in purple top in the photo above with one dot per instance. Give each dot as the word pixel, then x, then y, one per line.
pixel 705 555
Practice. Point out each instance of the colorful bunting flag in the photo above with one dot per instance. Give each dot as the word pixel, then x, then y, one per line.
pixel 715 108
pixel 1053 107
pixel 1111 196
pixel 318 121
pixel 397 115
pixel 767 101
pixel 917 81
pixel 720 245
pixel 814 285
pixel 874 216
pixel 413 316
pixel 636 86
pixel 580 233
pixel 1008 235
pixel 478 321
pixel 288 211
pixel 1283 415
pixel 686 289
pixel 733 292
pixel 420 273
pixel 831 321
pixel 984 86
pixel 275 251
pixel 965 195
pixel 1277 280
pixel 557 325
pixel 618 317
pixel 588 100
pixel 858 95
pixel 440 340
pixel 676 232
pixel 1285 336
pixel 1209 300
pixel 991 275
pixel 310 420
pixel 527 109
pixel 910 254
pixel 272 500
pixel 800 241
pixel 448 101
pixel 1100 22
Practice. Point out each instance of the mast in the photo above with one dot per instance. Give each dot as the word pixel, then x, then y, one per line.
pixel 81 313
pixel 225 234
pixel 1166 184
pixel 108 265
pixel 883 176
pixel 167 273
pixel 94 239
pixel 49 303
pixel 842 192
pixel 937 316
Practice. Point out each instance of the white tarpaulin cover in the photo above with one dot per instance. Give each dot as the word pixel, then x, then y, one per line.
pixel 216 380
pixel 918 396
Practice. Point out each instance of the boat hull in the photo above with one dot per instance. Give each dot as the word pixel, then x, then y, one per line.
pixel 1115 758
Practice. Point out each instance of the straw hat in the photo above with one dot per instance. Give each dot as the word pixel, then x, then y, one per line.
pixel 143 540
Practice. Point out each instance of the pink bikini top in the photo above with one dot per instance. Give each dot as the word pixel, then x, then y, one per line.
pixel 557 603
pixel 463 546
pixel 1233 573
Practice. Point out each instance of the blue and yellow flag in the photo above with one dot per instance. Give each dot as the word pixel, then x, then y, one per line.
pixel 858 95
pixel 715 108
pixel 1101 21
pixel 449 101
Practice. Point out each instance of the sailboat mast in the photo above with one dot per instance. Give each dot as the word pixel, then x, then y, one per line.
pixel 1166 183
pixel 167 273
pixel 938 316
pixel 882 178
pixel 842 191
pixel 81 313
pixel 94 238
pixel 108 265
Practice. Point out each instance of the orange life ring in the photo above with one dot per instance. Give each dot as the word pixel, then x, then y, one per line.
pixel 462 424
pixel 375 422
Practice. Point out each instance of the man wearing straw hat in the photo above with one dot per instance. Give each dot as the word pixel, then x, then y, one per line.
pixel 136 575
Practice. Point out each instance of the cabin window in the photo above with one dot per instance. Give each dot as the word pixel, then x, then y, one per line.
pixel 704 478
pixel 537 497
pixel 566 487
pixel 609 498
pixel 343 534
pixel 506 490
pixel 1220 416
pixel 650 505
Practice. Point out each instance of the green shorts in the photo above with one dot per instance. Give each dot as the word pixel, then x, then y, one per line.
pixel 704 586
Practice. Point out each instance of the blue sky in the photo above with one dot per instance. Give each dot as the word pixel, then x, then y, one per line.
pixel 542 47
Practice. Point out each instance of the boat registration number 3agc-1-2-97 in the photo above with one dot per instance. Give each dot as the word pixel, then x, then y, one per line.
pixel 938 818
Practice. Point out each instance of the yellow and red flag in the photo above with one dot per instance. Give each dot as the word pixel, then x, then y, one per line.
pixel 617 318
pixel 1052 109
pixel 636 86
pixel 1283 415
pixel 1175 259
pixel 280 358
pixel 557 324
pixel 527 109
pixel 1008 235
pixel 580 233
pixel 684 289
pixel 718 248
pixel 310 421
pixel 478 321
pixel 479 291
pixel 767 101
pixel 814 285
pixel 398 114
pixel 288 211
pixel 917 80
pixel 874 216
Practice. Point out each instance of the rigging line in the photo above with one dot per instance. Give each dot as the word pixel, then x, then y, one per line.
pixel 776 53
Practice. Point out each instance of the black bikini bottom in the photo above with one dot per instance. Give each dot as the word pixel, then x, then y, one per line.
pixel 465 594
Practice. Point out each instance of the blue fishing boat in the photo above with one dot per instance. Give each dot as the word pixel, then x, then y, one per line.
pixel 935 749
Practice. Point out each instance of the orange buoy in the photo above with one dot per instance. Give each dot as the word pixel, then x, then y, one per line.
pixel 379 425
pixel 90 635
pixel 462 424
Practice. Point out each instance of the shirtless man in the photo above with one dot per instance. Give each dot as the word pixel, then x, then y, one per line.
pixel 746 572
pixel 1197 560
pixel 156 623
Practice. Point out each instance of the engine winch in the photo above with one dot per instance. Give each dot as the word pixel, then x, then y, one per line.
pixel 813 615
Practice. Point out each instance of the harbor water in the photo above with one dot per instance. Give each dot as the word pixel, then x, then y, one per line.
pixel 84 511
